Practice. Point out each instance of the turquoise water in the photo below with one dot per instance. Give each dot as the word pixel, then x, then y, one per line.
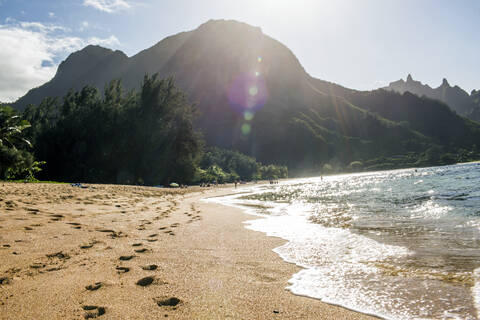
pixel 402 244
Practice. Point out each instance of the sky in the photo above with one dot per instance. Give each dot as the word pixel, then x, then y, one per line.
pixel 360 44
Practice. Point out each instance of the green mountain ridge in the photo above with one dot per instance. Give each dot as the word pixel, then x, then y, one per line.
pixel 254 96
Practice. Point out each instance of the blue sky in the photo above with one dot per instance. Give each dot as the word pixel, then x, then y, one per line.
pixel 361 44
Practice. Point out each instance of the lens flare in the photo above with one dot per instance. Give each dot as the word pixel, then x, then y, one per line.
pixel 246 128
pixel 247 92
pixel 259 59
pixel 253 91
pixel 248 116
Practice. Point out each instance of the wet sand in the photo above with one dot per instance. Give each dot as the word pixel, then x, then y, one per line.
pixel 125 252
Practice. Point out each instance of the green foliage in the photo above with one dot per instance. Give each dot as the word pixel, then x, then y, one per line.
pixel 16 161
pixel 237 165
pixel 122 137
pixel 228 166
pixel 327 168
pixel 272 172
pixel 355 166
pixel 11 127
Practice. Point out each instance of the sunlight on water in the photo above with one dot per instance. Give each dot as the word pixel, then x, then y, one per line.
pixel 399 244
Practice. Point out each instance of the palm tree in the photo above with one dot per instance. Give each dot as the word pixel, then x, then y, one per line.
pixel 11 127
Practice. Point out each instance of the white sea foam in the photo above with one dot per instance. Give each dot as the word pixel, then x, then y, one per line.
pixel 350 235
pixel 336 261
pixel 476 290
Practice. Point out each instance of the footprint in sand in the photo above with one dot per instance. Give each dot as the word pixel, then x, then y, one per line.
pixel 125 258
pixel 93 287
pixel 122 269
pixel 88 246
pixel 136 245
pixel 145 281
pixel 93 311
pixel 150 267
pixel 4 280
pixel 167 302
pixel 60 255
pixel 75 225
pixel 32 210
pixel 142 250
pixel 106 230
pixel 37 265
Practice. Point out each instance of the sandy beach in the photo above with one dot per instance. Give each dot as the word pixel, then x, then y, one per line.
pixel 126 252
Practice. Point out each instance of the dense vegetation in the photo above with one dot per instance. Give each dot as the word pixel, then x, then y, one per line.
pixel 16 160
pixel 119 137
pixel 227 166
pixel 122 137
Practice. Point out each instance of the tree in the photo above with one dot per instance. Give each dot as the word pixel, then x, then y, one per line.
pixel 11 127
pixel 16 162
pixel 142 137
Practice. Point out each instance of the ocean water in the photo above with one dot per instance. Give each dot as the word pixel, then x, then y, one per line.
pixel 401 244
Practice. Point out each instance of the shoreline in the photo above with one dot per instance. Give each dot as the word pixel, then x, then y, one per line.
pixel 59 243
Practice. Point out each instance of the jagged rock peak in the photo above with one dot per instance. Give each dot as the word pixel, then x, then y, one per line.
pixel 445 83
pixel 409 78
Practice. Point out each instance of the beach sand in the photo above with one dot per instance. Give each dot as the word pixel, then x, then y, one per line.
pixel 126 252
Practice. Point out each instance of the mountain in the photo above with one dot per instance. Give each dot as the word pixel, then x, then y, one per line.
pixel 254 96
pixel 456 98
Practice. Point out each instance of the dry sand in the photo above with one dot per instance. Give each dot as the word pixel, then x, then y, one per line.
pixel 124 252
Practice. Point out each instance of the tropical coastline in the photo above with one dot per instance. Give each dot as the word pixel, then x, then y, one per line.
pixel 137 252
pixel 398 244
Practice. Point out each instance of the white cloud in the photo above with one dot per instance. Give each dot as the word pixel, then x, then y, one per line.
pixel 110 41
pixel 42 27
pixel 108 6
pixel 84 26
pixel 30 53
pixel 51 15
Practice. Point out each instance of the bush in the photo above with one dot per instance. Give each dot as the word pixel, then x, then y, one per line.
pixel 327 168
pixel 355 165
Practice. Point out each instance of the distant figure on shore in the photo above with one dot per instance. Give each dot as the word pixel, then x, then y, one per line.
pixel 236 184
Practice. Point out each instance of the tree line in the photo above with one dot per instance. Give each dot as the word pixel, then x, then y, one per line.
pixel 141 137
